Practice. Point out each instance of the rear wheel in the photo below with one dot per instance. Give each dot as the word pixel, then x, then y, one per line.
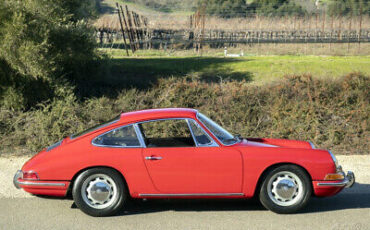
pixel 99 192
pixel 285 189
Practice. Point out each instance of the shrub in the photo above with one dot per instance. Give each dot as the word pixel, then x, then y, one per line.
pixel 333 114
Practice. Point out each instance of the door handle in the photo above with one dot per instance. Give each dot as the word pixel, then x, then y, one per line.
pixel 153 158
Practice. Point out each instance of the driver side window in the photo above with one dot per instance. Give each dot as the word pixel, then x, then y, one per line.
pixel 167 133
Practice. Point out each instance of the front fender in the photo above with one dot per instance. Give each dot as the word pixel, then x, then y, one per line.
pixel 258 159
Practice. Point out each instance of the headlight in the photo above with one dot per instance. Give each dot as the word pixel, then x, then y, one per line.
pixel 334 159
pixel 312 146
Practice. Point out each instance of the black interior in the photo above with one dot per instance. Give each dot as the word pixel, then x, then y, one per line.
pixel 119 141
pixel 202 139
pixel 170 142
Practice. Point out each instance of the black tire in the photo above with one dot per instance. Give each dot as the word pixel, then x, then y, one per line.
pixel 112 199
pixel 285 189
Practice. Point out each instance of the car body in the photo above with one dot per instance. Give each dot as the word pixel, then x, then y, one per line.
pixel 204 162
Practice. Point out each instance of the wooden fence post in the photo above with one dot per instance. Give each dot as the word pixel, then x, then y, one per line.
pixel 130 27
pixel 360 27
pixel 123 32
pixel 128 31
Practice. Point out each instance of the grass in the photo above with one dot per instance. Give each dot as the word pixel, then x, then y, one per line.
pixel 256 69
pixel 139 8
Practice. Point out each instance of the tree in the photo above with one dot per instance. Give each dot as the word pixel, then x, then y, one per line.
pixel 349 7
pixel 46 39
pixel 226 9
pixel 43 42
pixel 276 7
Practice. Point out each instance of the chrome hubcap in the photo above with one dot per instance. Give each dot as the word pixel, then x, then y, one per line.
pixel 285 188
pixel 99 191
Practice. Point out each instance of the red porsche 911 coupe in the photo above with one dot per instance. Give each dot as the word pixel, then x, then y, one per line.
pixel 179 153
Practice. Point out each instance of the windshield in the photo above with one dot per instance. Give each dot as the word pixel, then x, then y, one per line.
pixel 222 135
pixel 96 127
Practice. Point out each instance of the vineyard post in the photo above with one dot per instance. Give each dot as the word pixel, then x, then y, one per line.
pixel 203 26
pixel 349 30
pixel 128 15
pixel 323 34
pixel 147 34
pixel 316 32
pixel 308 33
pixel 123 32
pixel 145 31
pixel 133 27
pixel 137 28
pixel 340 27
pixel 331 31
pixel 128 31
pixel 360 27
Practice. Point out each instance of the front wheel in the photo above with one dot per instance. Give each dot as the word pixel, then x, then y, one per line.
pixel 99 192
pixel 285 189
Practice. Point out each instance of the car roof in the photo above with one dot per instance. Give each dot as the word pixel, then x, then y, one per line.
pixel 152 114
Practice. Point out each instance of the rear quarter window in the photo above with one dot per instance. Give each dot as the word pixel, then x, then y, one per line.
pixel 121 137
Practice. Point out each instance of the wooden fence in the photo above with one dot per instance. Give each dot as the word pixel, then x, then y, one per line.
pixel 134 33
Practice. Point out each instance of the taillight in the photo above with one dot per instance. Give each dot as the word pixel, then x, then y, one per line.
pixel 30 175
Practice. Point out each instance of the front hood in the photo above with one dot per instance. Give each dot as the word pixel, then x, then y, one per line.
pixel 269 142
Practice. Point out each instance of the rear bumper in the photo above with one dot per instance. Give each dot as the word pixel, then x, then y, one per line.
pixel 39 187
pixel 330 188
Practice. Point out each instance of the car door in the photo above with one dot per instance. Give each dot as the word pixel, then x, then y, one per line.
pixel 185 160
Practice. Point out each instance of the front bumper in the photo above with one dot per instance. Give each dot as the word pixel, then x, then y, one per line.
pixel 324 188
pixel 347 182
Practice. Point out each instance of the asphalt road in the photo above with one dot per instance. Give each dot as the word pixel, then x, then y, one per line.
pixel 348 210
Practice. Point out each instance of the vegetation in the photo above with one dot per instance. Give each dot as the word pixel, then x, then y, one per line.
pixel 246 8
pixel 150 66
pixel 42 43
pixel 241 8
pixel 331 113
pixel 167 5
pixel 349 7
pixel 55 82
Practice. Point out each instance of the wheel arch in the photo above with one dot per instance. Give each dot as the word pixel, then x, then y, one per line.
pixel 273 166
pixel 71 184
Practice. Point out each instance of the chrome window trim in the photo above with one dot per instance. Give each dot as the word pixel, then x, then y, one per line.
pixel 214 143
pixel 192 133
pixel 190 194
pixel 117 146
pixel 214 134
pixel 139 135
pixel 53 146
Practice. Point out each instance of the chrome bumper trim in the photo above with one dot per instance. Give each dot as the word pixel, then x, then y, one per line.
pixel 348 181
pixel 54 184
pixel 193 194
pixel 17 183
pixel 17 175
